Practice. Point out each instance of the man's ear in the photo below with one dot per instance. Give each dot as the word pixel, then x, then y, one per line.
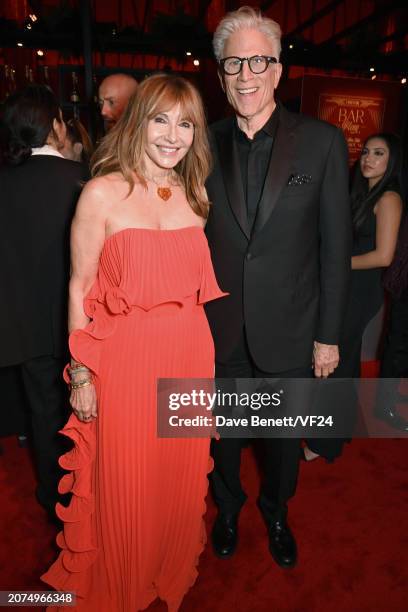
pixel 221 77
pixel 278 74
pixel 59 131
pixel 78 148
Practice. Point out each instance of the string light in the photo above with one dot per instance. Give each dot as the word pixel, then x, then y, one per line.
pixel 290 46
pixel 372 69
pixel 403 80
pixel 40 52
pixel 33 17
pixel 196 62
pixel 188 52
pixel 19 44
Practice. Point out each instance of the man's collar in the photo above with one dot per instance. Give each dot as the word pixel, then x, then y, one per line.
pixel 268 128
pixel 271 125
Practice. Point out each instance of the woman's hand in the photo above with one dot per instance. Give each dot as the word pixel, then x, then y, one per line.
pixel 83 402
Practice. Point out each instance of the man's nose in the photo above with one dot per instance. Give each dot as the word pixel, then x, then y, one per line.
pixel 104 109
pixel 245 73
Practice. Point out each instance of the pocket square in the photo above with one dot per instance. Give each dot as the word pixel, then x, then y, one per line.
pixel 299 179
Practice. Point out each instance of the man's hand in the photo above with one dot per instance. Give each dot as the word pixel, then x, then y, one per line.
pixel 325 359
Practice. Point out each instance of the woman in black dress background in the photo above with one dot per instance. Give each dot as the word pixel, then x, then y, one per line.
pixel 394 363
pixel 376 213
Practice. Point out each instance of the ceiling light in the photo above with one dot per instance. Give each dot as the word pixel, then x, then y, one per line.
pixel 40 52
pixel 33 17
pixel 196 62
pixel 188 52
pixel 28 26
pixel 372 69
pixel 19 44
pixel 290 46
pixel 403 80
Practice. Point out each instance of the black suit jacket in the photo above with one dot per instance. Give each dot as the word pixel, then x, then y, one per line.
pixel 288 279
pixel 37 202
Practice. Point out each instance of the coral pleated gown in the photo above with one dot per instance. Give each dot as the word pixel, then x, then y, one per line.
pixel 134 528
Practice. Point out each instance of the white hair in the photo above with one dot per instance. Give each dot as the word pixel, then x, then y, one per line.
pixel 245 18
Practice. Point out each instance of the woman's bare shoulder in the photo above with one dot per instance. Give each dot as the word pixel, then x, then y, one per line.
pixel 100 186
pixel 104 191
pixel 390 197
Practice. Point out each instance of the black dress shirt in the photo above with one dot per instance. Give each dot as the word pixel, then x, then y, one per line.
pixel 254 157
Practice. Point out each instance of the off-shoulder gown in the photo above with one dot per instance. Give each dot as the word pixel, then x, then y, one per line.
pixel 134 528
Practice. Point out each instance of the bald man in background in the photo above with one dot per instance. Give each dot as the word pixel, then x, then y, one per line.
pixel 114 94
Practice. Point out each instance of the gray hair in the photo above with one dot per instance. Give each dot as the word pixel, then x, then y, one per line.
pixel 245 18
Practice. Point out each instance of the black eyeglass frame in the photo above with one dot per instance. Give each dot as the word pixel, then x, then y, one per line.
pixel 269 60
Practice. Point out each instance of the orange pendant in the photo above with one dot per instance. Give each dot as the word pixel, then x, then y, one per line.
pixel 164 193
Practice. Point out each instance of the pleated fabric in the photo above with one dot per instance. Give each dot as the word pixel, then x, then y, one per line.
pixel 134 529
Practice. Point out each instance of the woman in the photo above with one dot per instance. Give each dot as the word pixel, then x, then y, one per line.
pixel 141 272
pixel 394 363
pixel 39 190
pixel 376 213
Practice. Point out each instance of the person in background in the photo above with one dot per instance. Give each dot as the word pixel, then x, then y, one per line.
pixel 39 190
pixel 78 145
pixel 114 94
pixel 376 212
pixel 394 363
pixel 280 235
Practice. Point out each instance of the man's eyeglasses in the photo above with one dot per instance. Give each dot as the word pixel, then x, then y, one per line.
pixel 257 63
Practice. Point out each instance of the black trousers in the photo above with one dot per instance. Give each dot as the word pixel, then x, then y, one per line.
pixel 13 403
pixel 47 399
pixel 280 456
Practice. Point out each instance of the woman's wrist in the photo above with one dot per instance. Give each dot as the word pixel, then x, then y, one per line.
pixel 78 372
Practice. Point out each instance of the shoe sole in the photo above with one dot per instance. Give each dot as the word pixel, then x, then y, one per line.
pixel 223 556
pixel 219 556
pixel 283 565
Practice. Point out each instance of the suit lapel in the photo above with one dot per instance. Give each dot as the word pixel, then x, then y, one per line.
pixel 231 172
pixel 279 167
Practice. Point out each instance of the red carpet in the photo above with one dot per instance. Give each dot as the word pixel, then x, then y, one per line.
pixel 350 520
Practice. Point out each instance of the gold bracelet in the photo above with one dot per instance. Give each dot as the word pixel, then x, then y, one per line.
pixel 76 365
pixel 73 371
pixel 81 383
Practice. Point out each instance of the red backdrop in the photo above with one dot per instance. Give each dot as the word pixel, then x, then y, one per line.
pixel 359 107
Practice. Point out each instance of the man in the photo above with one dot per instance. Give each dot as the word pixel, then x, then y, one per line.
pixel 114 94
pixel 280 235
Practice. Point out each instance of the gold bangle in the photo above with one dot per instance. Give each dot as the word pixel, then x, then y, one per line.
pixel 81 383
pixel 73 371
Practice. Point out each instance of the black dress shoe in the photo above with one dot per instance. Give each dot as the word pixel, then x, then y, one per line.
pixel 282 545
pixel 225 535
pixel 392 418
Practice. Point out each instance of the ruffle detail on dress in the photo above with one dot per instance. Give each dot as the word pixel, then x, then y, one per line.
pixel 78 539
pixel 85 344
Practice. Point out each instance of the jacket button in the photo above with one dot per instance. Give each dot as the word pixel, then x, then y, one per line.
pixel 249 256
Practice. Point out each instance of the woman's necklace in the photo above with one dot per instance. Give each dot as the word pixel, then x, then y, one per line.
pixel 163 191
